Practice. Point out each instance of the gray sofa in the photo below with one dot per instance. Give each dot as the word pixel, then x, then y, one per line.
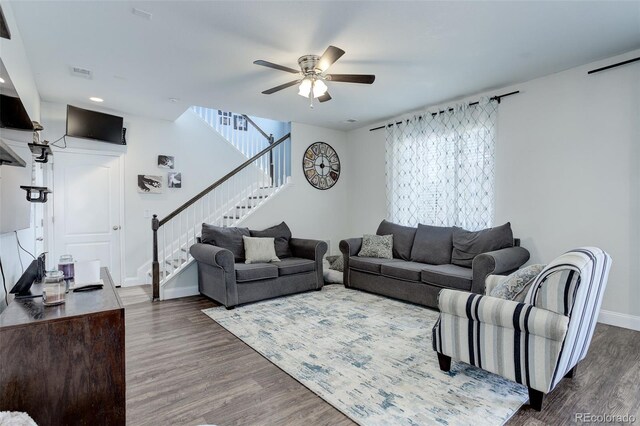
pixel 427 259
pixel 224 277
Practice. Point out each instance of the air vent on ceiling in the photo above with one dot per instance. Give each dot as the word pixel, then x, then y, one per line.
pixel 81 72
pixel 142 13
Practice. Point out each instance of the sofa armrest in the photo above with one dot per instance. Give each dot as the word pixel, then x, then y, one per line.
pixel 308 249
pixel 351 246
pixel 503 313
pixel 496 262
pixel 311 249
pixel 214 256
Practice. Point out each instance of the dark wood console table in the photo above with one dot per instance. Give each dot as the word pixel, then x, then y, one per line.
pixel 65 364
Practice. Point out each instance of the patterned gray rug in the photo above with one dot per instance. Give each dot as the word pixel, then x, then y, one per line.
pixel 371 358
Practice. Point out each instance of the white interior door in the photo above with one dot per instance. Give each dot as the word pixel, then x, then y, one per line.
pixel 87 217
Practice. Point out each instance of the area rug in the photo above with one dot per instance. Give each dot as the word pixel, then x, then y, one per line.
pixel 371 358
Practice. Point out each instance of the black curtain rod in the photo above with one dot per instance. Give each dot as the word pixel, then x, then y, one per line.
pixel 619 64
pixel 433 114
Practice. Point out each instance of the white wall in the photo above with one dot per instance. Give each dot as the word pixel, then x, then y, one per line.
pixel 309 212
pixel 200 155
pixel 567 172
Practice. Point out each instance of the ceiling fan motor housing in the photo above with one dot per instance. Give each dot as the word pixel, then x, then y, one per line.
pixel 309 63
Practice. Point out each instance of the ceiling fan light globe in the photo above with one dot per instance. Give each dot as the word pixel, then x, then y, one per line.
pixel 319 88
pixel 304 88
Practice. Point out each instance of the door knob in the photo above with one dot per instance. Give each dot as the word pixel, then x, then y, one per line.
pixel 116 227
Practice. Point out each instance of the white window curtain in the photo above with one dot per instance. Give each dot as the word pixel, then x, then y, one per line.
pixel 440 168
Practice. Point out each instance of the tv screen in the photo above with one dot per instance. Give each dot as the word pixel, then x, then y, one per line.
pixel 82 123
pixel 13 115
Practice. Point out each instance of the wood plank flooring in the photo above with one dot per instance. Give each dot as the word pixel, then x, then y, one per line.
pixel 185 369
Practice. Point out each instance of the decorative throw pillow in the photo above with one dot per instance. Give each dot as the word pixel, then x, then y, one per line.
pixel 336 263
pixel 515 286
pixel 467 244
pixel 228 238
pixel 403 237
pixel 258 250
pixel 377 246
pixel 282 234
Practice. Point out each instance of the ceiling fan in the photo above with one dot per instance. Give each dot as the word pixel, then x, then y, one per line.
pixel 312 75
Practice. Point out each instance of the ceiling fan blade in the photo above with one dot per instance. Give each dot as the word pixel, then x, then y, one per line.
pixel 276 66
pixel 282 86
pixel 329 56
pixel 352 78
pixel 324 98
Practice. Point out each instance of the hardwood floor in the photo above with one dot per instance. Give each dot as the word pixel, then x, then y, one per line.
pixel 184 369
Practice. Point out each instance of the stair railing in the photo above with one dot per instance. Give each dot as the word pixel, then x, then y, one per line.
pixel 221 203
pixel 239 134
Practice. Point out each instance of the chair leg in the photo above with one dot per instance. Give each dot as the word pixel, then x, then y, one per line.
pixel 230 307
pixel 444 361
pixel 571 372
pixel 535 399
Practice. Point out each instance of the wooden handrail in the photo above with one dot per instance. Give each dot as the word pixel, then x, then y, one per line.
pixel 262 132
pixel 222 180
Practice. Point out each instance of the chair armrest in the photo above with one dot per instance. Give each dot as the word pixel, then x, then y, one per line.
pixel 503 313
pixel 351 246
pixel 496 262
pixel 308 249
pixel 491 282
pixel 214 256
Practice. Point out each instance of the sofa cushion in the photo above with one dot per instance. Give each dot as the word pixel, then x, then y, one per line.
pixel 255 271
pixel 282 234
pixel 295 265
pixel 369 264
pixel 402 238
pixel 377 246
pixel 467 244
pixel 433 245
pixel 228 238
pixel 404 270
pixel 449 276
pixel 259 250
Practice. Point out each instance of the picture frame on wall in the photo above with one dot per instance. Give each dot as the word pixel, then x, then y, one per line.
pixel 150 184
pixel 166 161
pixel 240 123
pixel 174 180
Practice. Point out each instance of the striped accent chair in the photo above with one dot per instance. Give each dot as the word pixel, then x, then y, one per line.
pixel 536 343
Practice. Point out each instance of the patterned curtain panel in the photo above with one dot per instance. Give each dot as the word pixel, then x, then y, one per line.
pixel 440 169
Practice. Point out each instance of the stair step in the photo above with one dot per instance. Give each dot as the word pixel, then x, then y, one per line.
pixel 231 217
pixel 175 262
pixel 244 207
pixel 256 197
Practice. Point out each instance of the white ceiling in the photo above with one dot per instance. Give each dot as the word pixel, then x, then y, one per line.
pixel 422 53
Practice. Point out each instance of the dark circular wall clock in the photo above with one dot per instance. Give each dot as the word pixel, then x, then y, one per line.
pixel 321 165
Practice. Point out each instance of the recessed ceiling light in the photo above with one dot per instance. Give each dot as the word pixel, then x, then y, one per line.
pixel 95 99
pixel 351 120
pixel 1 80
pixel 173 100
pixel 142 13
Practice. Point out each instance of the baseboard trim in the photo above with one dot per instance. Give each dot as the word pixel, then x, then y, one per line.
pixel 134 281
pixel 617 319
pixel 175 293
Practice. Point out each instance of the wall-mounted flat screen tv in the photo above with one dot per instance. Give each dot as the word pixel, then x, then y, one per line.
pixel 83 123
pixel 13 115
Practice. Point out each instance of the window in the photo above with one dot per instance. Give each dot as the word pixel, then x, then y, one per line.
pixel 440 168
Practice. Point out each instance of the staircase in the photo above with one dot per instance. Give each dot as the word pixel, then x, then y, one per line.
pixel 227 202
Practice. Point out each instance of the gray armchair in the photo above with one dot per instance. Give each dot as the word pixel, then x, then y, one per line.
pixel 233 283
